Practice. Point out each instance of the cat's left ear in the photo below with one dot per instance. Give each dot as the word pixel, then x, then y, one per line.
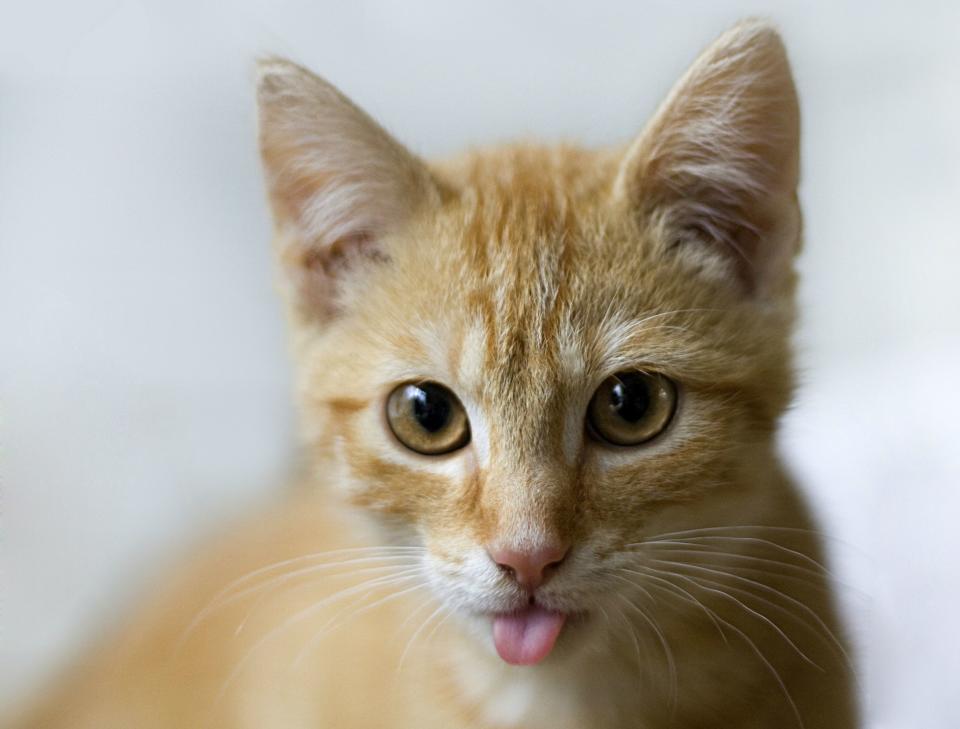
pixel 718 164
pixel 338 183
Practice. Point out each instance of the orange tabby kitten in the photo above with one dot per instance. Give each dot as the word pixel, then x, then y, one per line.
pixel 540 387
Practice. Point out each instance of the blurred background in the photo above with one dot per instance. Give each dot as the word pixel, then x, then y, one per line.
pixel 144 380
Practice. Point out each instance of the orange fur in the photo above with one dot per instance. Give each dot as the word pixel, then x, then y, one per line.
pixel 519 277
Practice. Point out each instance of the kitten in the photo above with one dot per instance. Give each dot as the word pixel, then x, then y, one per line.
pixel 540 388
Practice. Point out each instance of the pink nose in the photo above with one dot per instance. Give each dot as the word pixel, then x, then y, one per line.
pixel 530 567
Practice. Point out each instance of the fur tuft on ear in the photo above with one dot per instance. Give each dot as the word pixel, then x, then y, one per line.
pixel 337 181
pixel 719 161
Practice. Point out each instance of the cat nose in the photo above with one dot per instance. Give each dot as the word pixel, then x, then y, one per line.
pixel 529 567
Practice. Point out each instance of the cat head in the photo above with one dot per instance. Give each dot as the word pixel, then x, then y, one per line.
pixel 530 358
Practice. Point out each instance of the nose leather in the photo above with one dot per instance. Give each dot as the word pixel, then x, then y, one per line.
pixel 529 567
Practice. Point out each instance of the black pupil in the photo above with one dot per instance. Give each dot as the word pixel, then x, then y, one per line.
pixel 431 406
pixel 630 397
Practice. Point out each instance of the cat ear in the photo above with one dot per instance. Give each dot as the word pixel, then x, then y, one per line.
pixel 718 163
pixel 338 183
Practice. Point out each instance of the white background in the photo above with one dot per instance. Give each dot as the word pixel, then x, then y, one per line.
pixel 143 369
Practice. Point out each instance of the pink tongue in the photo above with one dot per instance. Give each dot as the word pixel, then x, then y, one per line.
pixel 526 637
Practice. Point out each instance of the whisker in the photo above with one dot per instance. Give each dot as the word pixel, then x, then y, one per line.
pixel 707 611
pixel 667 652
pixel 372 584
pixel 631 629
pixel 381 551
pixel 707 550
pixel 801 583
pixel 773 671
pixel 229 593
pixel 415 612
pixel 225 595
pixel 767 588
pixel 282 579
pixel 406 576
pixel 416 633
pixel 338 620
pixel 828 640
pixel 435 628
pixel 755 613
pixel 699 535
pixel 634 584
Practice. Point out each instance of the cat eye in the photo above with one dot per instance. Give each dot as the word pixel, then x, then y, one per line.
pixel 630 408
pixel 427 418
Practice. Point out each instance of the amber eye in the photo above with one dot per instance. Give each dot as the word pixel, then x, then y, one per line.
pixel 427 418
pixel 631 408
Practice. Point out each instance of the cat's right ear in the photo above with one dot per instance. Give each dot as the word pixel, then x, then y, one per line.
pixel 338 183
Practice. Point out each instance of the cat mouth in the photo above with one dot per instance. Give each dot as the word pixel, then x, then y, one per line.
pixel 527 636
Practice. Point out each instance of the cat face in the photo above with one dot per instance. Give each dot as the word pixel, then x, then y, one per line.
pixel 531 359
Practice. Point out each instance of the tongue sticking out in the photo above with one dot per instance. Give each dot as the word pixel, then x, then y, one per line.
pixel 526 637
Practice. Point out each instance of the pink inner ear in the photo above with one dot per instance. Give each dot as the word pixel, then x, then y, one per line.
pixel 341 255
pixel 737 242
pixel 319 271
